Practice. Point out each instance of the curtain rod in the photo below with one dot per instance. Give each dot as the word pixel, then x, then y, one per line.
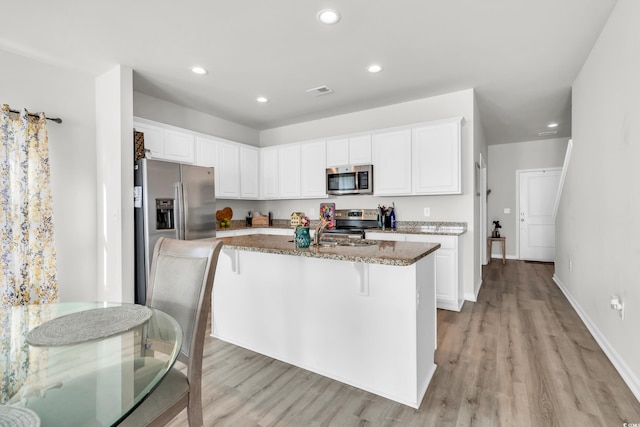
pixel 53 119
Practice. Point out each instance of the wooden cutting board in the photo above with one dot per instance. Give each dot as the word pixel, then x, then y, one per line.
pixel 226 213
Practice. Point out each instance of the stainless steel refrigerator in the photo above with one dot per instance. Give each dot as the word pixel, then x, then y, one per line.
pixel 170 200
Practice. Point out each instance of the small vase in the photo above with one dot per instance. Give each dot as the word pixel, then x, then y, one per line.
pixel 303 238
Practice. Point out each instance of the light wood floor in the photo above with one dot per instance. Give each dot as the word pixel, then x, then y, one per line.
pixel 520 356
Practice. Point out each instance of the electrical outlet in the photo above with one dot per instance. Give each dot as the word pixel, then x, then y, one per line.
pixel 312 212
pixel 427 211
pixel 507 210
pixel 570 265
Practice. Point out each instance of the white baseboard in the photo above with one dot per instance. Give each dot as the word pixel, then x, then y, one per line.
pixel 618 362
pixel 473 297
pixel 507 256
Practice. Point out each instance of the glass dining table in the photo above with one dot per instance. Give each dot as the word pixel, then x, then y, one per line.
pixel 94 382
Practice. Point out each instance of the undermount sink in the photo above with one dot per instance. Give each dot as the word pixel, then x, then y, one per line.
pixel 356 243
pixel 352 242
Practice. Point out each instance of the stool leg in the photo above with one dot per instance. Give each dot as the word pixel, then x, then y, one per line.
pixel 504 250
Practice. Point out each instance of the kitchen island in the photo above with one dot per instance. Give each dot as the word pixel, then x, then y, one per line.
pixel 362 315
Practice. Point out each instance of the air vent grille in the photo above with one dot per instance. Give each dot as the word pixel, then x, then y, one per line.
pixel 319 91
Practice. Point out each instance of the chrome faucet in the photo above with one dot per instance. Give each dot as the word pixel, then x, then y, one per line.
pixel 319 229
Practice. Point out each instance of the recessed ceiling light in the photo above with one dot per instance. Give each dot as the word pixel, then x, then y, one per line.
pixel 328 16
pixel 552 125
pixel 198 70
pixel 374 68
pixel 262 99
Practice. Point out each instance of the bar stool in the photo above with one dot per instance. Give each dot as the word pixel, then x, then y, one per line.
pixel 490 241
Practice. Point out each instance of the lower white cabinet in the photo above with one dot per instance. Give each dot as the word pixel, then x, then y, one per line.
pixel 449 283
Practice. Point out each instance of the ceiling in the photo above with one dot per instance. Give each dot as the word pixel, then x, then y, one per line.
pixel 521 56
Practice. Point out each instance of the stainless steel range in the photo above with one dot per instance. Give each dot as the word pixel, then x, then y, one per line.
pixel 353 223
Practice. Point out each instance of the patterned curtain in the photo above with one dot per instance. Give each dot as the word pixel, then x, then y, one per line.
pixel 27 254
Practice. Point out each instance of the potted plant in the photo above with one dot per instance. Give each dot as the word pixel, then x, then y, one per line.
pixel 496 227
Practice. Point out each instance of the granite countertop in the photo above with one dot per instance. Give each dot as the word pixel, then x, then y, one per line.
pixel 379 252
pixel 405 227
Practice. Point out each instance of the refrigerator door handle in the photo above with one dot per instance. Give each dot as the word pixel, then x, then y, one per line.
pixel 180 214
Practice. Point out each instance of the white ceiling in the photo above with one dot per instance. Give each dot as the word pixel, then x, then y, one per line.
pixel 521 56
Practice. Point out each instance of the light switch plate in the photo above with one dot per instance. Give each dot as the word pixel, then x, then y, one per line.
pixel 507 210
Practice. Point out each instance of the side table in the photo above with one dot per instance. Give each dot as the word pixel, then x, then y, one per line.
pixel 490 241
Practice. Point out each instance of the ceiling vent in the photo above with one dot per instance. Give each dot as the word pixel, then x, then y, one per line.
pixel 548 133
pixel 319 91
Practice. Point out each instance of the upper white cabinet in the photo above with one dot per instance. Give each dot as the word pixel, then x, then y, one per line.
pixel 228 170
pixel 420 159
pixel 313 171
pixel 269 173
pixel 349 151
pixel 436 158
pixel 207 155
pixel 167 143
pixel 289 171
pixel 179 146
pixel 391 155
pixel 153 139
pixel 360 150
pixel 248 172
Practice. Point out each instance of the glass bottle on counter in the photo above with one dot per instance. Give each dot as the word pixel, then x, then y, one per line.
pixel 393 218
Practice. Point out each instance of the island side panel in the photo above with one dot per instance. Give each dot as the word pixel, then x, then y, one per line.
pixel 426 321
pixel 352 322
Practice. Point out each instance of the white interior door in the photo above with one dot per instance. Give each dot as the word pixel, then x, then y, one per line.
pixel 537 195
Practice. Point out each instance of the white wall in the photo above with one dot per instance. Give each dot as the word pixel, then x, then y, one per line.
pixel 598 223
pixel 114 142
pixel 443 208
pixel 151 108
pixel 480 146
pixel 503 162
pixel 68 94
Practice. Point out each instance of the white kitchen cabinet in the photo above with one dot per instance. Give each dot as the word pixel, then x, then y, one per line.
pixel 207 156
pixel 436 158
pixel 349 151
pixel 449 283
pixel 248 172
pixel 229 170
pixel 269 174
pixel 391 155
pixel 313 172
pixel 166 143
pixel 153 139
pixel 393 237
pixel 360 150
pixel 337 152
pixel 179 146
pixel 206 152
pixel 289 171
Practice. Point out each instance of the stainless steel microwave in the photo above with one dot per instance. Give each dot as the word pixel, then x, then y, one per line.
pixel 350 180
